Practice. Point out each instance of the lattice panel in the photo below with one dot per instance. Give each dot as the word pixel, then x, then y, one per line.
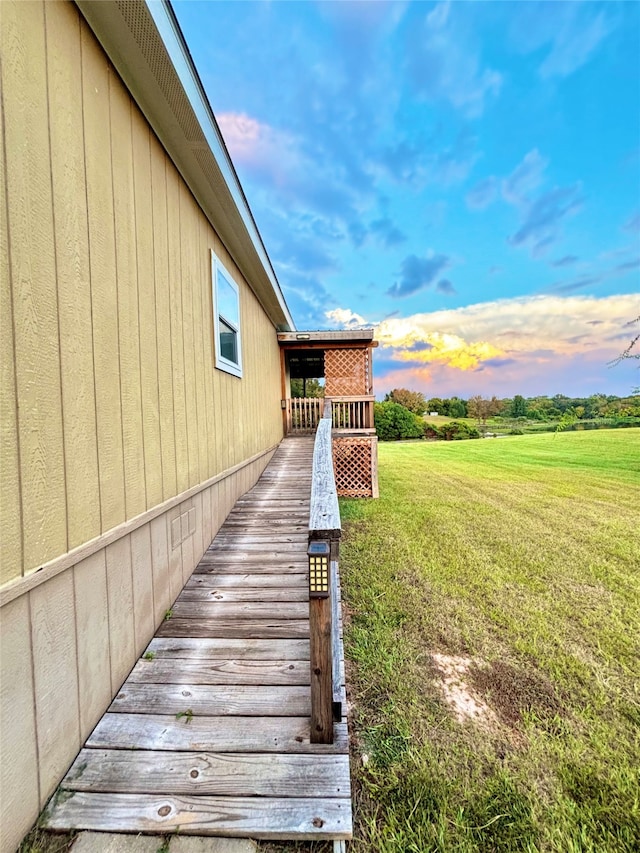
pixel 346 372
pixel 353 467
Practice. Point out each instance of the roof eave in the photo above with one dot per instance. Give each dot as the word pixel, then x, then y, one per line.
pixel 145 44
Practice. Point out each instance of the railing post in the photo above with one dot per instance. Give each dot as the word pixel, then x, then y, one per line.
pixel 321 654
pixel 324 535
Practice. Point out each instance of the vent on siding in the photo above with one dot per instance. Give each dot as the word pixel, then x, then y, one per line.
pixel 143 30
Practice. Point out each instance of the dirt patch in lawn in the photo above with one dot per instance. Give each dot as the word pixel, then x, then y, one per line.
pixel 512 692
pixel 459 693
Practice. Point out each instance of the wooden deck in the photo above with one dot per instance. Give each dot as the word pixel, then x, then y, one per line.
pixel 209 735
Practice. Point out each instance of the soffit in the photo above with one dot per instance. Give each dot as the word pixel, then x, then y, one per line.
pixel 143 41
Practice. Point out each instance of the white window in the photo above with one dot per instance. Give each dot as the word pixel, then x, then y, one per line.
pixel 226 319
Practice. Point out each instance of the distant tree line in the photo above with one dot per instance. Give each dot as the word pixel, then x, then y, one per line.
pixel 541 408
pixel 401 414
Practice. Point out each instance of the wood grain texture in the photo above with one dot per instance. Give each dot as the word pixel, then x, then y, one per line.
pixel 195 648
pixel 213 701
pixel 124 211
pixel 198 290
pixel 33 274
pixel 216 734
pixel 10 497
pixel 213 595
pixel 121 618
pixel 92 637
pixel 176 328
pixel 55 673
pixel 73 273
pixel 20 802
pixel 243 671
pixel 324 514
pixel 264 817
pixel 188 282
pixel 320 653
pixel 147 309
pixel 163 317
pixel 240 609
pixel 104 293
pixel 160 569
pixel 249 628
pixel 238 582
pixel 211 413
pixel 143 587
pixel 206 773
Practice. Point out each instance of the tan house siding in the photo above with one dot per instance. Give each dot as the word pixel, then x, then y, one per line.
pixel 123 431
pixel 108 293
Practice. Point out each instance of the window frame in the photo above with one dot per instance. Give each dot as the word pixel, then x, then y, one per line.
pixel 221 362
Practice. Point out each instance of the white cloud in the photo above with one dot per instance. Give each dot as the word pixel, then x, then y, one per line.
pixel 344 318
pixel 508 333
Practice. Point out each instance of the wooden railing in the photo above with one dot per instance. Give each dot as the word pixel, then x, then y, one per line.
pixel 347 413
pixel 352 413
pixel 303 414
pixel 324 621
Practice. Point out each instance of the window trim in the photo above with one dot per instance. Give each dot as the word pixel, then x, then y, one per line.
pixel 221 362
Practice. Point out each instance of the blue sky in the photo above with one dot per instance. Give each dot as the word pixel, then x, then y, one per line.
pixel 464 176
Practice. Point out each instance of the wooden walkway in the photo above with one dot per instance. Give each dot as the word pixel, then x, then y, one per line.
pixel 209 735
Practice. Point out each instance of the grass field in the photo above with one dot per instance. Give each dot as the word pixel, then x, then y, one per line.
pixel 493 629
pixel 492 599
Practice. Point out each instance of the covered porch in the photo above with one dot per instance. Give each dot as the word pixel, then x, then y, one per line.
pixel 339 367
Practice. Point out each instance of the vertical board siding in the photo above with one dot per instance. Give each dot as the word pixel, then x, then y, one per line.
pixel 74 290
pixel 92 636
pixel 111 402
pixel 143 593
pixel 33 276
pixel 163 319
pixel 147 309
pixel 177 333
pixel 198 356
pixel 160 569
pixel 104 296
pixel 107 306
pixel 10 503
pixel 188 282
pixel 18 745
pixel 120 611
pixel 127 279
pixel 55 675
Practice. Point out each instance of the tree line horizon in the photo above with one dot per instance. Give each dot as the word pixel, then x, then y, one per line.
pixel 540 407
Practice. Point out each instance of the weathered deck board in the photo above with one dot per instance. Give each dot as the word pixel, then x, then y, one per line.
pixel 240 609
pixel 125 771
pixel 250 628
pixel 241 581
pixel 225 595
pixel 257 672
pixel 249 817
pixel 196 648
pixel 217 734
pixel 210 733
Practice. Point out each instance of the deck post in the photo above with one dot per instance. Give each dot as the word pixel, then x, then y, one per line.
pixel 324 526
pixel 320 649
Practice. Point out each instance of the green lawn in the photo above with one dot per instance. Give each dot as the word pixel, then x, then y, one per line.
pixel 516 563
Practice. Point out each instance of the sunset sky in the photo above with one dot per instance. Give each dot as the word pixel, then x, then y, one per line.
pixel 464 176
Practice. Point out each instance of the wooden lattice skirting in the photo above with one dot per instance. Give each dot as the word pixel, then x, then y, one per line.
pixel 355 463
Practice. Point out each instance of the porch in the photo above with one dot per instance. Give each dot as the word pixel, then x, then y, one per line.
pixel 339 368
pixel 212 733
